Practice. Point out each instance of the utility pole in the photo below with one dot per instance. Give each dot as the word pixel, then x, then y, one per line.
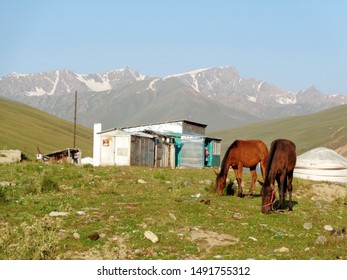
pixel 74 135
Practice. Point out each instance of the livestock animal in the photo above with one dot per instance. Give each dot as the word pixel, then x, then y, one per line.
pixel 242 153
pixel 279 167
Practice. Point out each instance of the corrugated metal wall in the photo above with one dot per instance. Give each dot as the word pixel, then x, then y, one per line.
pixel 192 152
pixel 142 151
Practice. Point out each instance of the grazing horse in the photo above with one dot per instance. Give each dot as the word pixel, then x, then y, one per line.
pixel 280 167
pixel 242 153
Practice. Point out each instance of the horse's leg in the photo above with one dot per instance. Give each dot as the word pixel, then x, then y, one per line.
pixel 290 189
pixel 281 189
pixel 279 185
pixel 253 180
pixel 262 168
pixel 239 180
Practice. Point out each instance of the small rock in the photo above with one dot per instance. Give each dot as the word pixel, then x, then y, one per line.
pixel 151 236
pixel 218 257
pixel 56 214
pixel 318 205
pixel 94 236
pixel 321 240
pixel 81 213
pixel 328 227
pixel 282 250
pixel 307 249
pixel 207 201
pixel 252 238
pixel 308 225
pixel 140 181
pixel 173 216
pixel 76 235
pixel 6 184
pixel 197 195
pixel 237 216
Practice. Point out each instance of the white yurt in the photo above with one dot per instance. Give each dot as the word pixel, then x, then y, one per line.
pixel 321 164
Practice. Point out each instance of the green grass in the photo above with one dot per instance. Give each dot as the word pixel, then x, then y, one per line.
pixel 326 128
pixel 25 128
pixel 120 209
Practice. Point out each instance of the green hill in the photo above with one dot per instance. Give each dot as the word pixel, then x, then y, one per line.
pixel 326 128
pixel 25 128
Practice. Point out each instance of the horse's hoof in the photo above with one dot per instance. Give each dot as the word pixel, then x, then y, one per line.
pixel 250 196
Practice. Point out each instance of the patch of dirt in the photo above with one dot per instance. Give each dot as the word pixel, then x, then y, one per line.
pixel 211 239
pixel 115 249
pixel 328 192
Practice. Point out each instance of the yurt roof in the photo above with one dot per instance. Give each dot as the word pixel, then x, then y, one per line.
pixel 321 158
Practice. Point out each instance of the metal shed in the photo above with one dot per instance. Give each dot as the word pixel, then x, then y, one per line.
pixel 70 155
pixel 117 147
pixel 170 144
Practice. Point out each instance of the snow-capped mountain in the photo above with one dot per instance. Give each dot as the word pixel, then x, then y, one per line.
pixel 217 96
pixel 60 82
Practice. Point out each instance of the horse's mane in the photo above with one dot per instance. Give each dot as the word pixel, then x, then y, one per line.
pixel 224 168
pixel 269 159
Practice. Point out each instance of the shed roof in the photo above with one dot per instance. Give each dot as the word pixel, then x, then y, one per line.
pixel 119 132
pixel 167 122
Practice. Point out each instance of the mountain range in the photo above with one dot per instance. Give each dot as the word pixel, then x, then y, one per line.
pixel 218 97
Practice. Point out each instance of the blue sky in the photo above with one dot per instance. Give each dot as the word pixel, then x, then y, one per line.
pixel 290 43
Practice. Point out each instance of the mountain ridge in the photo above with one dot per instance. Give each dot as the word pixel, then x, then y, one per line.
pixel 217 96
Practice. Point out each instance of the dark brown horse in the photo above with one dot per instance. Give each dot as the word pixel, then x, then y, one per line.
pixel 242 153
pixel 279 167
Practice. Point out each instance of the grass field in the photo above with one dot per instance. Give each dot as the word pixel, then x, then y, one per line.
pixel 109 209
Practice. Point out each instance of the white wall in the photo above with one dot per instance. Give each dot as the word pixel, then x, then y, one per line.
pixel 96 145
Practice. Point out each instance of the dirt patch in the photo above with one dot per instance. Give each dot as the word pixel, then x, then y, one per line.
pixel 328 192
pixel 113 249
pixel 211 239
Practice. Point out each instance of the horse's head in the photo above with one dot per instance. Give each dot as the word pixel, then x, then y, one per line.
pixel 268 197
pixel 220 182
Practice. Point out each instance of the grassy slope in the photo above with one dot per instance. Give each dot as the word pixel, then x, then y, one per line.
pixel 25 128
pixel 326 128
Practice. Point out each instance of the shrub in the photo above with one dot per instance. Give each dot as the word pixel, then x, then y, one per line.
pixel 3 196
pixel 35 241
pixel 48 184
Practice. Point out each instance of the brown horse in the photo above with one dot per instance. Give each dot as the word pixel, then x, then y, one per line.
pixel 280 167
pixel 242 153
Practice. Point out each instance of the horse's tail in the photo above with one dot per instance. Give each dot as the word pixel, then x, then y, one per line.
pixel 270 159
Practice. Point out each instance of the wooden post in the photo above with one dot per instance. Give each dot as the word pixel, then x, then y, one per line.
pixel 74 135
